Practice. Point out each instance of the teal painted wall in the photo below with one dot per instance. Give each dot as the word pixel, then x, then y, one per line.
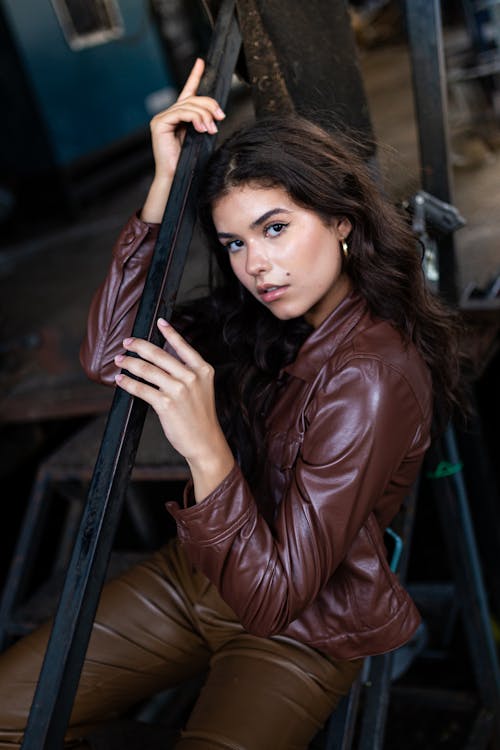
pixel 97 96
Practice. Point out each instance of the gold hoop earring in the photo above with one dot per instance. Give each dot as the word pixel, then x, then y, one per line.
pixel 345 249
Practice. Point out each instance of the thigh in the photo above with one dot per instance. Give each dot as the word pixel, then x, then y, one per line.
pixel 144 639
pixel 266 694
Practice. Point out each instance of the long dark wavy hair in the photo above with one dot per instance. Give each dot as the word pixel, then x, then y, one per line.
pixel 320 173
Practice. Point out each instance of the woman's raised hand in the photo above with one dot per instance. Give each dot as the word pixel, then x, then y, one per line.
pixel 168 129
pixel 181 391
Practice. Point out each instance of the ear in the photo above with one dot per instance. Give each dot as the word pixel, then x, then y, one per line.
pixel 343 227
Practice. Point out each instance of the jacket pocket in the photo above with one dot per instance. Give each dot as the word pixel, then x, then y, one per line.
pixel 283 448
pixel 376 592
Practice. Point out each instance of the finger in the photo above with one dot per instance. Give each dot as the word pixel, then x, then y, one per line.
pixel 140 368
pixel 194 79
pixel 141 390
pixel 205 105
pixel 169 121
pixel 149 353
pixel 186 352
pixel 197 110
pixel 203 102
pixel 157 383
pixel 200 117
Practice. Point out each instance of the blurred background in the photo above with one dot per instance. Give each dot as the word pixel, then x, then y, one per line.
pixel 79 83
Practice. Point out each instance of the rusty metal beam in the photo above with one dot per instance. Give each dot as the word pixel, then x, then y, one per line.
pixel 303 56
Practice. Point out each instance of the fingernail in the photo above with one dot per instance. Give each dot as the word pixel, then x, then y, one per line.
pixel 118 378
pixel 213 128
pixel 119 358
pixel 127 342
pixel 162 322
pixel 220 113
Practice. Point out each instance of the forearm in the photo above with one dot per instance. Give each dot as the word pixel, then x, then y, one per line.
pixel 114 305
pixel 154 205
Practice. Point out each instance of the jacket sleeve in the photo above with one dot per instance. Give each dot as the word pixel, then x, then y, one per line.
pixel 114 305
pixel 362 428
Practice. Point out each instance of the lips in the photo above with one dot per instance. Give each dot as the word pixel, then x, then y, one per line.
pixel 270 292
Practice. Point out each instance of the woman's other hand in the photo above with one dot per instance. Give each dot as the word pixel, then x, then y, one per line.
pixel 168 130
pixel 181 391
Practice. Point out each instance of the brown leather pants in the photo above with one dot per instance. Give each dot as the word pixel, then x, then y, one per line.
pixel 162 623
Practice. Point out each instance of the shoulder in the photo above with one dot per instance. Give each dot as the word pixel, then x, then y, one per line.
pixel 377 361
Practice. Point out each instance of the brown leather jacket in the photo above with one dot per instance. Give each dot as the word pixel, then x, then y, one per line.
pixel 346 438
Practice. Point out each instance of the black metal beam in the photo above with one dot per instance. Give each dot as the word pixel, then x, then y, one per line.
pixel 453 508
pixel 424 29
pixel 65 653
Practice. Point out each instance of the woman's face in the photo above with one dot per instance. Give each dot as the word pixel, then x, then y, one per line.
pixel 285 255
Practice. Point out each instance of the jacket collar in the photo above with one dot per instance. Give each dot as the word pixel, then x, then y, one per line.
pixel 324 340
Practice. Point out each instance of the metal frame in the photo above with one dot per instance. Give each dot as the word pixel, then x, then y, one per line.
pixel 453 508
pixel 423 22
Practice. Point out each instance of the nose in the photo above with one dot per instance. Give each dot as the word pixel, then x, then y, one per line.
pixel 257 260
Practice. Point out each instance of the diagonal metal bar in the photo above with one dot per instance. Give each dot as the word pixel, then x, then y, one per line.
pixel 458 529
pixel 53 700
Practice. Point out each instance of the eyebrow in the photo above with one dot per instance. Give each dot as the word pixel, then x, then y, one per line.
pixel 259 221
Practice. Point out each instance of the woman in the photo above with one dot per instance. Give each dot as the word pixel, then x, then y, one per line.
pixel 303 425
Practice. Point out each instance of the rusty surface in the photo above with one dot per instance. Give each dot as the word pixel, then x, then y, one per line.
pixel 41 378
pixel 302 57
pixel 315 45
pixel 265 73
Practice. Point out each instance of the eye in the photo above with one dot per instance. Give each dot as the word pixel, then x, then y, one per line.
pixel 275 229
pixel 234 245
